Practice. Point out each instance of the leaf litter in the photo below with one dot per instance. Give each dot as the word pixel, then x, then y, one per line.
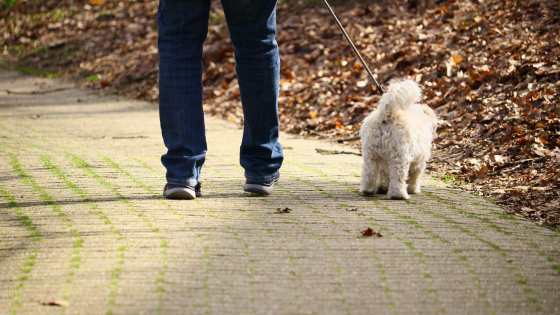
pixel 489 68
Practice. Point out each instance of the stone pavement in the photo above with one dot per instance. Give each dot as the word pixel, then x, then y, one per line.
pixel 83 224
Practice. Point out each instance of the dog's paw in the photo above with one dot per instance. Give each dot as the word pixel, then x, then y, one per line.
pixel 399 195
pixel 413 189
pixel 367 193
pixel 382 190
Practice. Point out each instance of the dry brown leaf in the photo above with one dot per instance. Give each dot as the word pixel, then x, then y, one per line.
pixel 284 210
pixel 61 303
pixel 369 232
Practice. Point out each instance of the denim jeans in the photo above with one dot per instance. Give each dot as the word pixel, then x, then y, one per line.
pixel 183 25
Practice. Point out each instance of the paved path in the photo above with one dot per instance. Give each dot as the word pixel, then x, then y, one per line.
pixel 82 221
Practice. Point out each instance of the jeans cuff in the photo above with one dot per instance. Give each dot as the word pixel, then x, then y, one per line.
pixel 260 179
pixel 178 182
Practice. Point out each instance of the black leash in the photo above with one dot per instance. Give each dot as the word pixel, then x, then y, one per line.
pixel 353 47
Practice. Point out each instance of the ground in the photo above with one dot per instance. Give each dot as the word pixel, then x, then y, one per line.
pixel 490 69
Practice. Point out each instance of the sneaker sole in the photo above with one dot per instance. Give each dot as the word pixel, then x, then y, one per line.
pixel 181 193
pixel 258 189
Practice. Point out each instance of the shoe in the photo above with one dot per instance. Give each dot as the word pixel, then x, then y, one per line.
pixel 172 191
pixel 260 187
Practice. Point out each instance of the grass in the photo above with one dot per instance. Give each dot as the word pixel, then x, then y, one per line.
pixel 453 180
pixel 92 78
pixel 9 3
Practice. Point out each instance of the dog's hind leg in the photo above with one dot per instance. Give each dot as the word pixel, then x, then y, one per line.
pixel 398 173
pixel 369 180
pixel 414 174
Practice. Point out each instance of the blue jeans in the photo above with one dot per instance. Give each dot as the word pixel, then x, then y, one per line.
pixel 183 25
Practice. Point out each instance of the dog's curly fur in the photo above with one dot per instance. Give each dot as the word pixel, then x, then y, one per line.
pixel 396 142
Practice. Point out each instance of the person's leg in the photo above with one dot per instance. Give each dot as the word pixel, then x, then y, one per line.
pixel 183 26
pixel 252 27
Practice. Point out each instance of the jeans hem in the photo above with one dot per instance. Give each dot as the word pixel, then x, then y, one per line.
pixel 260 179
pixel 188 182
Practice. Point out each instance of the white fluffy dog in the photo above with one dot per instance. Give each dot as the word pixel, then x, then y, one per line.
pixel 396 142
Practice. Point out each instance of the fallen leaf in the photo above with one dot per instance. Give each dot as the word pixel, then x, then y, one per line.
pixel 367 233
pixel 61 303
pixel 285 210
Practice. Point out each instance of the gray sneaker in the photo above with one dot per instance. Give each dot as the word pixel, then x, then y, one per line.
pixel 171 191
pixel 263 188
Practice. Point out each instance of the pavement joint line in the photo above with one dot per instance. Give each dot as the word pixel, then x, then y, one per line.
pixel 249 265
pixel 125 172
pixel 163 242
pixel 146 166
pixel 31 129
pixel 21 141
pixel 7 129
pixel 29 137
pixel 209 265
pixel 76 257
pixel 95 211
pixel 78 240
pixel 12 147
pixel 29 261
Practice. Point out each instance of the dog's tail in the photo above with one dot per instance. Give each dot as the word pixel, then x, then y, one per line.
pixel 401 95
